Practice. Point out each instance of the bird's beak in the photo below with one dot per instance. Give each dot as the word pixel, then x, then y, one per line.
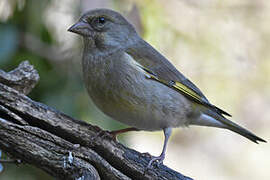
pixel 81 28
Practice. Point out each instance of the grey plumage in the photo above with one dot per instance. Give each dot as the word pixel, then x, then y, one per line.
pixel 133 83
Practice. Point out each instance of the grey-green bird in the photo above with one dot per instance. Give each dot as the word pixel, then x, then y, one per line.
pixel 133 83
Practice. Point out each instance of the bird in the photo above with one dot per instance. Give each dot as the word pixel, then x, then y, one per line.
pixel 131 82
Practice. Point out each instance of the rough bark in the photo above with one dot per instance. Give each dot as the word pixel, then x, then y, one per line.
pixel 62 146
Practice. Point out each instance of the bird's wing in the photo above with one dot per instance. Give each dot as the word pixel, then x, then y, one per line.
pixel 161 70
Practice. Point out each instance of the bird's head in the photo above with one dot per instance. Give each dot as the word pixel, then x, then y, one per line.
pixel 104 28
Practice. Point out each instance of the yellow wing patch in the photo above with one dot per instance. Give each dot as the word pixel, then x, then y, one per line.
pixel 184 90
pixel 181 87
pixel 189 93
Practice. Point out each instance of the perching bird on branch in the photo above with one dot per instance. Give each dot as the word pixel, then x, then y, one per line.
pixel 133 83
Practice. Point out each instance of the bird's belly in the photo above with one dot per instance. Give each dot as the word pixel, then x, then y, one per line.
pixel 119 88
pixel 140 102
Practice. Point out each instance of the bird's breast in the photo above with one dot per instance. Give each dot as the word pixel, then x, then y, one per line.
pixel 119 87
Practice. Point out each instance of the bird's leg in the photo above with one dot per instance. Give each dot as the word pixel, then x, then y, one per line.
pixel 120 131
pixel 167 134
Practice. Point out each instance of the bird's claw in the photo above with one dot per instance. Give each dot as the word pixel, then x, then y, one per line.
pixel 158 159
pixel 146 154
pixel 112 135
pixel 103 134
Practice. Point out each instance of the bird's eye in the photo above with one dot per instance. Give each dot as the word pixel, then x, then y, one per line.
pixel 98 23
pixel 101 20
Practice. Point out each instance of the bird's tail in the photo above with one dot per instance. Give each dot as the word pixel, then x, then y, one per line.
pixel 239 130
pixel 222 122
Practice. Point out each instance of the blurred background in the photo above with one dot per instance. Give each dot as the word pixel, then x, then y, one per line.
pixel 222 46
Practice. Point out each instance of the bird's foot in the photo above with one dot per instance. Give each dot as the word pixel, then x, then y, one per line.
pixel 111 134
pixel 146 154
pixel 158 159
pixel 107 134
pixel 103 134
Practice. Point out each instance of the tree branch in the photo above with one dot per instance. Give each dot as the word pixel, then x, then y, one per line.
pixel 64 147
